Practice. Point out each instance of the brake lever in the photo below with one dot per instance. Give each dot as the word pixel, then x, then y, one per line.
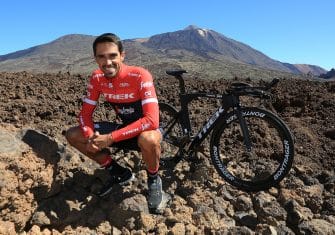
pixel 272 83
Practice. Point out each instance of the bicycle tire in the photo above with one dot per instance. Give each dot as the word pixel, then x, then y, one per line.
pixel 171 130
pixel 272 152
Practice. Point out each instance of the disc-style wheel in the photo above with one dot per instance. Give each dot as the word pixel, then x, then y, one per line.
pixel 269 159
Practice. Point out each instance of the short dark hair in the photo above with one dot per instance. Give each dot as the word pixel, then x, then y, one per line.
pixel 107 37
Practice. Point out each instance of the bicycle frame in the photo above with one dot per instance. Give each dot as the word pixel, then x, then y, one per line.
pixel 228 101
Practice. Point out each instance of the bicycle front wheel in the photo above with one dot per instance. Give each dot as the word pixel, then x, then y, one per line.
pixel 171 130
pixel 266 163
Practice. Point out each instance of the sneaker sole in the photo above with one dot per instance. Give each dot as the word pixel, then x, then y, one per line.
pixel 121 184
pixel 166 199
pixel 128 181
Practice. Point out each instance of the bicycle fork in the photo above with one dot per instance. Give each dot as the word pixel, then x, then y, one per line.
pixel 244 129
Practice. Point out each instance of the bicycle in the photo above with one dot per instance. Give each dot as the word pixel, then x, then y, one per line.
pixel 250 147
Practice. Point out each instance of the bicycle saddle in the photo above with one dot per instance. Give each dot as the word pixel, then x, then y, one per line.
pixel 177 72
pixel 239 85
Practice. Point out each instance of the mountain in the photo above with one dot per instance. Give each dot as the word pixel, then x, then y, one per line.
pixel 193 48
pixel 212 45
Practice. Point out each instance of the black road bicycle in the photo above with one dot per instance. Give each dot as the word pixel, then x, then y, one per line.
pixel 250 147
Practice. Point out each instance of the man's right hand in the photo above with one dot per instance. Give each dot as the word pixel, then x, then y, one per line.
pixel 90 146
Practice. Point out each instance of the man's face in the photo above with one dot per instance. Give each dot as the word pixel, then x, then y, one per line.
pixel 109 58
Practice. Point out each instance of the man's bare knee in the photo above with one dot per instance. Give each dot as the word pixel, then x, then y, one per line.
pixel 149 140
pixel 71 134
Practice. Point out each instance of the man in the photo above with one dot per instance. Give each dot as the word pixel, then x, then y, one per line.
pixel 131 92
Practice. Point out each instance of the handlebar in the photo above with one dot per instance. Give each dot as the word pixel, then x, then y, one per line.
pixel 245 89
pixel 272 84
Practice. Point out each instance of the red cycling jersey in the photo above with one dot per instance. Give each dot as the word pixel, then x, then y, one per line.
pixel 133 97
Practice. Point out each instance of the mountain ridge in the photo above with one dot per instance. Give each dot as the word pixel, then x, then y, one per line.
pixel 203 47
pixel 213 42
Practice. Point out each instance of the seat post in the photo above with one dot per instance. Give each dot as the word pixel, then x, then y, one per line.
pixel 179 75
pixel 181 84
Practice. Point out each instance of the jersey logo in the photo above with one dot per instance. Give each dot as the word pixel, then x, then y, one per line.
pixel 120 96
pixel 99 75
pixel 147 94
pixel 125 111
pixel 134 75
pixel 129 132
pixel 146 85
pixel 145 126
pixel 124 84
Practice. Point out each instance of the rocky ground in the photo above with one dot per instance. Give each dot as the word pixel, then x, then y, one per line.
pixel 46 187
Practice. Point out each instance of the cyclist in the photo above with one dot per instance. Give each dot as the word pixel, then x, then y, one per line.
pixel 131 92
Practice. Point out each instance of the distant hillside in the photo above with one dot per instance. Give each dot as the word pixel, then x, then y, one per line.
pixel 328 75
pixel 307 69
pixel 193 48
pixel 63 54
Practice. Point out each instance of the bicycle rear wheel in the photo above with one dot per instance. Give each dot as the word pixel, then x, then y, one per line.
pixel 171 129
pixel 270 158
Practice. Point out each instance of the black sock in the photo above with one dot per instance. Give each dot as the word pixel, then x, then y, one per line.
pixel 152 175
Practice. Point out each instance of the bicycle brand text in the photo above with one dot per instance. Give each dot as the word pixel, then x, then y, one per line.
pixel 219 164
pixel 210 122
pixel 286 157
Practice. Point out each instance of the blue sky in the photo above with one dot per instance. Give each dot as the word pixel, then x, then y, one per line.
pixel 293 31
